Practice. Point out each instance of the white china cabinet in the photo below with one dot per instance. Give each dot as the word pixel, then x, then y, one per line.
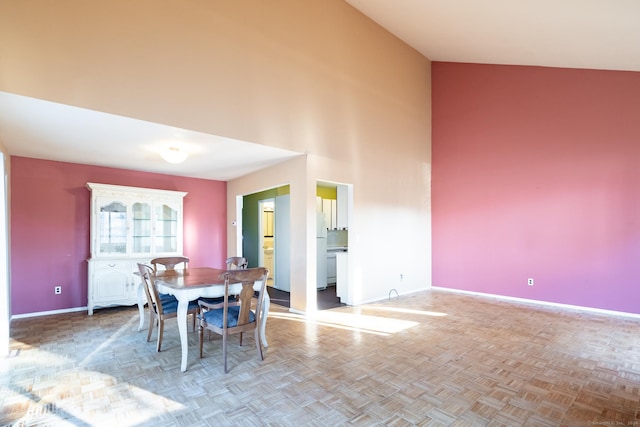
pixel 129 225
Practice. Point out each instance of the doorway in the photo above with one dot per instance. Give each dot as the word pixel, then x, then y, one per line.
pixel 264 233
pixel 266 230
pixel 334 202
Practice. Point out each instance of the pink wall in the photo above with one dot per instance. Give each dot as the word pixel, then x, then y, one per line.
pixel 50 227
pixel 536 173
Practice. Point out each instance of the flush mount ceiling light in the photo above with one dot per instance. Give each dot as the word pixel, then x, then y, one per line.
pixel 174 155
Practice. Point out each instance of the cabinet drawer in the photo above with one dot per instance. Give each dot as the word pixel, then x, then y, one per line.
pixel 112 265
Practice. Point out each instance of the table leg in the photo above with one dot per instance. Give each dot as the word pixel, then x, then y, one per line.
pixel 182 329
pixel 265 311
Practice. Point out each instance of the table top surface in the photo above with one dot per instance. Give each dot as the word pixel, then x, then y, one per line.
pixel 191 277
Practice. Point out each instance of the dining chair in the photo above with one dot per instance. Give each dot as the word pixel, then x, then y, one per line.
pixel 233 263
pixel 237 262
pixel 170 263
pixel 236 316
pixel 161 306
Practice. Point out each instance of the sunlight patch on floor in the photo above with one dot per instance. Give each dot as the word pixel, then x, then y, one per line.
pixel 405 310
pixel 50 406
pixel 61 397
pixel 350 321
pixel 108 342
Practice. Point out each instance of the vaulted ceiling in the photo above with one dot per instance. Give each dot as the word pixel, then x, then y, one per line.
pixel 591 34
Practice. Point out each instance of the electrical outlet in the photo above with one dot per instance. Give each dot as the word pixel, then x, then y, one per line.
pixel 57 290
pixel 530 282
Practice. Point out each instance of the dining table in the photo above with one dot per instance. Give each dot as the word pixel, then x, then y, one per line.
pixel 203 282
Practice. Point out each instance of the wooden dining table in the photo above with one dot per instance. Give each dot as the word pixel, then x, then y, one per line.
pixel 193 283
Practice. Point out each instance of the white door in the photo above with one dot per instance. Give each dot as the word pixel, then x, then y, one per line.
pixel 282 239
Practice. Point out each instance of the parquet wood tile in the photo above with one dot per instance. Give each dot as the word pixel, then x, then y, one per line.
pixel 434 358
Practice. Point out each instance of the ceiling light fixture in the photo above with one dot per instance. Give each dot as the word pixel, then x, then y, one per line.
pixel 174 155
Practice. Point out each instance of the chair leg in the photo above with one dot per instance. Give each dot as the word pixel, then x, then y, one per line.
pixel 152 321
pixel 200 338
pixel 259 343
pixel 224 351
pixel 160 331
pixel 240 339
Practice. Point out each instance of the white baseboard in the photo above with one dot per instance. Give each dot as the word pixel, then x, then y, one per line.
pixel 437 288
pixel 47 313
pixel 542 303
pixel 393 293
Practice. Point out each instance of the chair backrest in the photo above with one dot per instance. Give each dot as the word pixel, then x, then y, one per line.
pixel 147 272
pixel 169 263
pixel 237 262
pixel 248 277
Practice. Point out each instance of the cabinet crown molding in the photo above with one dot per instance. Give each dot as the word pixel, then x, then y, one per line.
pixel 137 192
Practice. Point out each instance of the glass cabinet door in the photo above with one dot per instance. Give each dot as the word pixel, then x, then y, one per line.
pixel 141 235
pixel 112 228
pixel 166 228
pixel 135 222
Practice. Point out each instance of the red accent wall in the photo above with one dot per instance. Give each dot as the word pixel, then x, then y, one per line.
pixel 50 207
pixel 536 174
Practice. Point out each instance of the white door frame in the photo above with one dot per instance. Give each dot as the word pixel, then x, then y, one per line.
pixel 5 289
pixel 261 207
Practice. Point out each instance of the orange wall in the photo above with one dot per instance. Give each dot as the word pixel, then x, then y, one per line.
pixel 315 77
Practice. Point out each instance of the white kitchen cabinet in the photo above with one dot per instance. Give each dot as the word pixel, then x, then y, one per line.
pixel 129 225
pixel 329 212
pixel 342 274
pixel 331 268
pixel 336 211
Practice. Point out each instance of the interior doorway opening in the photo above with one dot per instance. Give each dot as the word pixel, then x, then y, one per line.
pixel 334 206
pixel 258 212
pixel 266 237
pixel 264 234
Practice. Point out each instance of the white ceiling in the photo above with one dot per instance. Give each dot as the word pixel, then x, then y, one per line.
pixel 592 34
pixel 45 130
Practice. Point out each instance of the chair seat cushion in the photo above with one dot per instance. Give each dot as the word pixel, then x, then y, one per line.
pixel 214 317
pixel 218 300
pixel 170 304
pixel 166 298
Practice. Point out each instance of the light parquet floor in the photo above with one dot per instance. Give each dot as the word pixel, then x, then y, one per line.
pixel 434 358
